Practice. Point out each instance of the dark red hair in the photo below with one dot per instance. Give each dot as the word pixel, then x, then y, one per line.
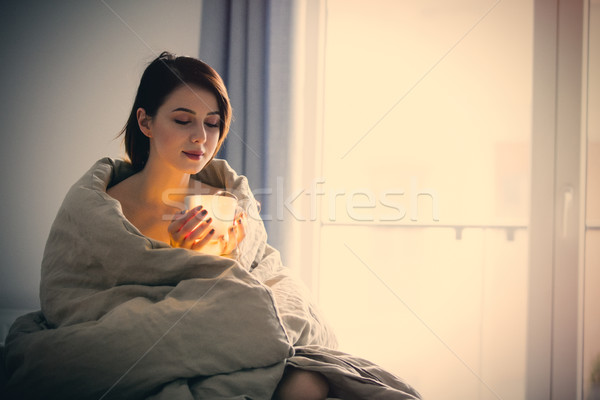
pixel 162 76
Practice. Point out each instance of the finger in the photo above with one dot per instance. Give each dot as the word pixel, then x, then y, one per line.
pixel 230 244
pixel 192 223
pixel 240 230
pixel 180 219
pixel 239 213
pixel 224 245
pixel 237 233
pixel 179 230
pixel 200 231
pixel 198 245
pixel 175 236
pixel 178 215
pixel 176 223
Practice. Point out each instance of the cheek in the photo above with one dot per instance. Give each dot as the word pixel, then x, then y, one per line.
pixel 162 141
pixel 214 139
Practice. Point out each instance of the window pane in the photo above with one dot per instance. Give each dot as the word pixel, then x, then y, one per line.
pixel 434 93
pixel 423 264
pixel 447 315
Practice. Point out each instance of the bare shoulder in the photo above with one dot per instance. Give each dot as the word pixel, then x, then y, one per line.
pixel 122 191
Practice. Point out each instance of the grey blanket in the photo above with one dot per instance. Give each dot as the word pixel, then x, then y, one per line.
pixel 128 317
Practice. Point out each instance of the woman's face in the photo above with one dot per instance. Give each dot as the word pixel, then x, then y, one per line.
pixel 185 130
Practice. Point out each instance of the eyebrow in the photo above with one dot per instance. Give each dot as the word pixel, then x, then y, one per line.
pixel 192 111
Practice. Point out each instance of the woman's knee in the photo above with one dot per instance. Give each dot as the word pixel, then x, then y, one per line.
pixel 298 384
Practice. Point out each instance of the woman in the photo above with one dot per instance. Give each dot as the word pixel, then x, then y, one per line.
pixel 131 304
pixel 179 120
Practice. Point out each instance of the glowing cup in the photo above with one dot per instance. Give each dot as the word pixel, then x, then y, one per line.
pixel 221 207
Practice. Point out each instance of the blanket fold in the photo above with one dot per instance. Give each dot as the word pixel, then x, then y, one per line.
pixel 126 316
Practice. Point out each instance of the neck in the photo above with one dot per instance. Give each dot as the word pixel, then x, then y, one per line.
pixel 157 184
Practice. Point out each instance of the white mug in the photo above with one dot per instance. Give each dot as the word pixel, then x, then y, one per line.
pixel 221 207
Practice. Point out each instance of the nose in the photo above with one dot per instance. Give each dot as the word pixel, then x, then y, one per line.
pixel 198 135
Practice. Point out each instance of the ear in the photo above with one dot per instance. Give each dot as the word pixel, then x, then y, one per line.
pixel 144 120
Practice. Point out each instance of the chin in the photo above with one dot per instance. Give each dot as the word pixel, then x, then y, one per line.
pixel 197 168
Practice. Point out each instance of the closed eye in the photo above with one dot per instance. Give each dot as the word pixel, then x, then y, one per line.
pixel 180 122
pixel 211 125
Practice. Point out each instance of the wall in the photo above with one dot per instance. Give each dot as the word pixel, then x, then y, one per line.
pixel 69 73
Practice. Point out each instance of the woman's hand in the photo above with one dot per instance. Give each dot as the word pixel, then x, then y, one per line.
pixel 191 230
pixel 236 233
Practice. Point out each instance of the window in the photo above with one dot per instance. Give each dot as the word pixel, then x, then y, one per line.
pixel 425 161
pixel 440 147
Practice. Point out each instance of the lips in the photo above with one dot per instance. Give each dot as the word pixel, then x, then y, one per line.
pixel 193 154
